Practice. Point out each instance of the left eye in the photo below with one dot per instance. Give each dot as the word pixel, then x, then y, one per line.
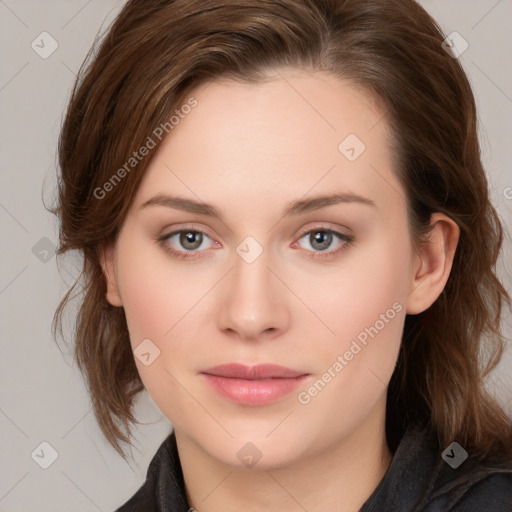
pixel 320 240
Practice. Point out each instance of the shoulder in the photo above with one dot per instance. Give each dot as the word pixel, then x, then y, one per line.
pixel 145 497
pixel 163 485
pixel 492 493
pixel 481 485
pixel 467 484
pixel 424 477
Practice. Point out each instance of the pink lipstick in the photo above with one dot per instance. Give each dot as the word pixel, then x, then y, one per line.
pixel 253 385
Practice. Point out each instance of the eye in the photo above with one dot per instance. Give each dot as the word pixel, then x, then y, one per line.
pixel 187 241
pixel 321 239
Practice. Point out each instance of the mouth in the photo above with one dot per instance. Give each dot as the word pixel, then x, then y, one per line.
pixel 253 385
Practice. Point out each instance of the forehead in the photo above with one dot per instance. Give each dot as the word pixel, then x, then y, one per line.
pixel 294 133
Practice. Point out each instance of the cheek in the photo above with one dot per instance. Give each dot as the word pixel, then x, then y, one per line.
pixel 147 314
pixel 155 298
pixel 368 281
pixel 162 303
pixel 153 291
pixel 363 302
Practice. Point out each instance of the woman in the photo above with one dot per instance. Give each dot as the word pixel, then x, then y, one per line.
pixel 288 242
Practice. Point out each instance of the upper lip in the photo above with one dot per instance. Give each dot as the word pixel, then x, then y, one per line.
pixel 257 372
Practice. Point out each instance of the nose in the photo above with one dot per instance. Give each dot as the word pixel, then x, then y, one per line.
pixel 253 303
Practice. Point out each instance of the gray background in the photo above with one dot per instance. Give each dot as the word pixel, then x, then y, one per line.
pixel 42 395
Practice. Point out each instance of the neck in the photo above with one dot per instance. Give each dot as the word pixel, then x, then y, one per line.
pixel 341 477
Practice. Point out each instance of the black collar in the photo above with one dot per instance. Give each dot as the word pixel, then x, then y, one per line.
pixel 417 480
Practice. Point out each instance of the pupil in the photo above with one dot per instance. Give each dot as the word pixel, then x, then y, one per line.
pixel 321 240
pixel 187 240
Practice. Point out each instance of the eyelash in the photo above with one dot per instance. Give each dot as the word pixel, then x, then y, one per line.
pixel 347 239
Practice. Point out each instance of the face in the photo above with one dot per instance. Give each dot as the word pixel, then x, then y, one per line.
pixel 277 276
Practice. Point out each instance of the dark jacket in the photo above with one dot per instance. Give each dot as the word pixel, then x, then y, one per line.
pixel 417 480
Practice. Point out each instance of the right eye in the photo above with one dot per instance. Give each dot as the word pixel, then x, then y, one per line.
pixel 184 243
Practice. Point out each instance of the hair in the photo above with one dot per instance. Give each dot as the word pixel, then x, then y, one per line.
pixel 157 51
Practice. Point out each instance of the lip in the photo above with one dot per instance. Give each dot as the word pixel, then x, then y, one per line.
pixel 253 385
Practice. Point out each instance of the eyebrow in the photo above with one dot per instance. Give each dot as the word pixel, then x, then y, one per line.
pixel 298 207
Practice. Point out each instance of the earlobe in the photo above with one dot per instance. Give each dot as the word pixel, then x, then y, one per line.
pixel 107 256
pixel 433 264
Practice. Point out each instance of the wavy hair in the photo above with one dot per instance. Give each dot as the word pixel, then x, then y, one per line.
pixel 155 53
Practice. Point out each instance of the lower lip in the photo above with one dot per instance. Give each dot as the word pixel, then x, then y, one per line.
pixel 253 392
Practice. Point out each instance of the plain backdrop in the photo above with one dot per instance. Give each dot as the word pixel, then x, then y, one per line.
pixel 42 395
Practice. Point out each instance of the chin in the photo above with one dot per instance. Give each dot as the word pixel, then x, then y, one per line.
pixel 257 451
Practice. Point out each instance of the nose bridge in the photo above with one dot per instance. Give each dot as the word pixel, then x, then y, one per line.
pixel 252 302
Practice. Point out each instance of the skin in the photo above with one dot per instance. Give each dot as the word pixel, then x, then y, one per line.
pixel 251 150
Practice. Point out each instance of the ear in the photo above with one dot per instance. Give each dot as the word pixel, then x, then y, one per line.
pixel 107 257
pixel 433 264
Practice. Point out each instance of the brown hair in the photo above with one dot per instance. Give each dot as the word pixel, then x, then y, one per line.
pixel 157 51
